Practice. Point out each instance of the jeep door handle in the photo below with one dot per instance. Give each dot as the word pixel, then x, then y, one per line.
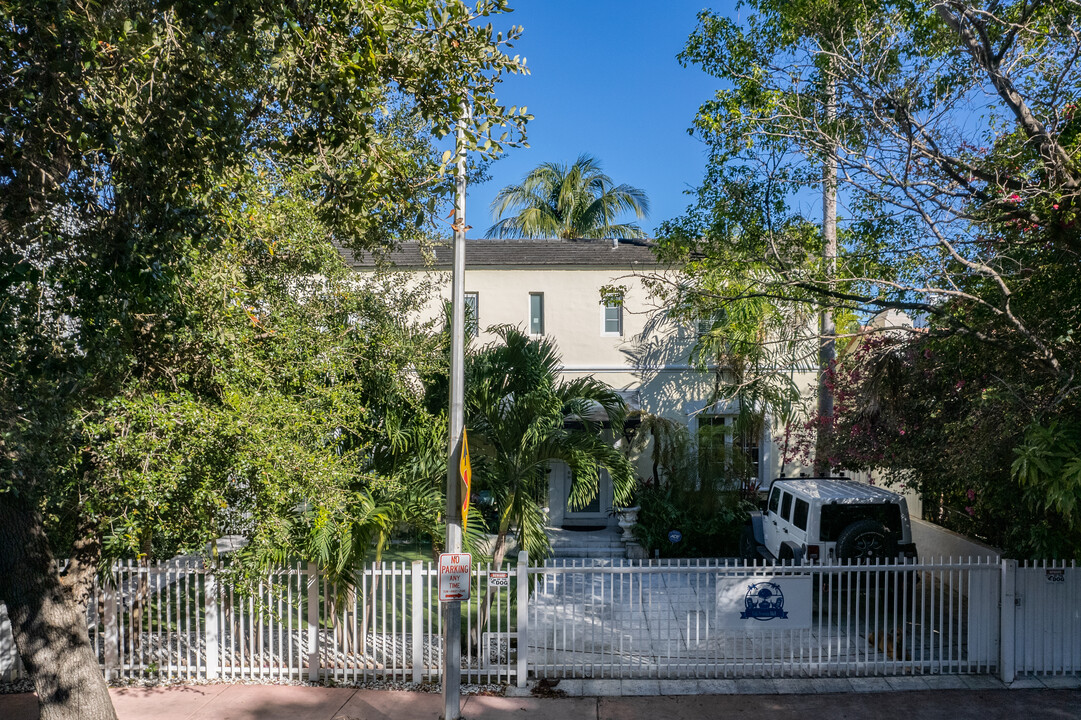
pixel 784 530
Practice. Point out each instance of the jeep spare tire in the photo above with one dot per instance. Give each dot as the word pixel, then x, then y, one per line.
pixel 866 539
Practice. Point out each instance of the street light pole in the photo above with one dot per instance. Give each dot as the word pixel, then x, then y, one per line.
pixel 452 610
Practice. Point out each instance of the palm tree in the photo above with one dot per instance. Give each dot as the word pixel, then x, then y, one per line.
pixel 517 416
pixel 569 202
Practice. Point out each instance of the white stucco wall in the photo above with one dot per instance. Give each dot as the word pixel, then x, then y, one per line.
pixel 652 356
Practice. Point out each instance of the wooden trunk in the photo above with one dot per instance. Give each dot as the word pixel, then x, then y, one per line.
pixel 48 625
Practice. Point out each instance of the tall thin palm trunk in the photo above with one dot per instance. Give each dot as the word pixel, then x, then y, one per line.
pixel 499 553
pixel 827 352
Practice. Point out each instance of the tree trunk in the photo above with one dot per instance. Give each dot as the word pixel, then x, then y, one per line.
pixel 50 632
pixel 369 602
pixel 827 331
pixel 499 551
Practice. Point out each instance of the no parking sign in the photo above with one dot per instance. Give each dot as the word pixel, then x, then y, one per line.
pixel 454 576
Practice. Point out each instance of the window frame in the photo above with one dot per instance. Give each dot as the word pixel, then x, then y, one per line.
pixel 474 329
pixel 753 450
pixel 774 505
pixel 540 297
pixel 801 510
pixel 786 506
pixel 618 307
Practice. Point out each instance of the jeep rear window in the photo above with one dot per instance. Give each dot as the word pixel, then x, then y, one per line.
pixel 799 519
pixel 836 517
pixel 786 506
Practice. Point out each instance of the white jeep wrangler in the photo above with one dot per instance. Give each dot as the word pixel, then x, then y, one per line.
pixel 828 519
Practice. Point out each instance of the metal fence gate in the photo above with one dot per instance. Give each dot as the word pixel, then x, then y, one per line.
pixel 1042 634
pixel 632 620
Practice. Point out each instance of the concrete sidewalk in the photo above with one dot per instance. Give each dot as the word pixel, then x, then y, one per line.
pixel 283 702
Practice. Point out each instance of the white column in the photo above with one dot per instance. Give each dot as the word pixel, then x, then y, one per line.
pixel 521 579
pixel 313 622
pixel 419 603
pixel 210 629
pixel 1007 614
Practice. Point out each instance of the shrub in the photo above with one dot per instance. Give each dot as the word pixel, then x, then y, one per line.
pixel 708 511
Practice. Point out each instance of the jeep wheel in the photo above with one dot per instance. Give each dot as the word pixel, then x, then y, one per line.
pixel 748 546
pixel 866 539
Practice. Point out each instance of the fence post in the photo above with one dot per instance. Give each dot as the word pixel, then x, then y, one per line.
pixel 9 654
pixel 212 623
pixel 313 623
pixel 419 603
pixel 1007 618
pixel 521 579
pixel 111 629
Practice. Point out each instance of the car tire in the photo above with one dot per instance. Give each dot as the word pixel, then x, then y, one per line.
pixel 748 546
pixel 866 539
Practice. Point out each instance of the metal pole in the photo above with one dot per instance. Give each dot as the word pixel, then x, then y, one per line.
pixel 452 611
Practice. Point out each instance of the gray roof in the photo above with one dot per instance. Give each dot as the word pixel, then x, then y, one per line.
pixel 515 253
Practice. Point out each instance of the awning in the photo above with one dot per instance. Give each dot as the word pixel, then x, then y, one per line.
pixel 596 414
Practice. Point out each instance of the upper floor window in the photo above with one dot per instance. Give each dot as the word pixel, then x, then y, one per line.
pixel 472 314
pixel 536 313
pixel 706 321
pixel 613 316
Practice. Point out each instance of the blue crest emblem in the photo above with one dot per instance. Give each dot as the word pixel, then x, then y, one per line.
pixel 764 601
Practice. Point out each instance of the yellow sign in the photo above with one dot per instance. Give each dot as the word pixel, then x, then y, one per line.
pixel 466 473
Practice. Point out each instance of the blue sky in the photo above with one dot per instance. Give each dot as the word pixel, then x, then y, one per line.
pixel 604 80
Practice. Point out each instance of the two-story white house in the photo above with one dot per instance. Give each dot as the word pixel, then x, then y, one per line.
pixel 554 288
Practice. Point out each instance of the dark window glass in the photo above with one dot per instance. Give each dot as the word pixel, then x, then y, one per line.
pixel 836 517
pixel 472 314
pixel 800 518
pixel 711 448
pixel 747 442
pixel 774 500
pixel 536 313
pixel 786 506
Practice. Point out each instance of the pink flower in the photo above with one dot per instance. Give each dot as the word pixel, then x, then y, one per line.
pixel 902 431
pixel 971 494
pixel 1055 206
pixel 971 511
pixel 1014 198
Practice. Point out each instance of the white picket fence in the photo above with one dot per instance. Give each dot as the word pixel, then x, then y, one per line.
pixel 181 621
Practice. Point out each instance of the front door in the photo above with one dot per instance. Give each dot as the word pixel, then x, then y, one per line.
pixel 595 513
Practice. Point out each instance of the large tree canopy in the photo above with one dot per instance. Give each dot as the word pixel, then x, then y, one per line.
pixel 955 132
pixel 142 146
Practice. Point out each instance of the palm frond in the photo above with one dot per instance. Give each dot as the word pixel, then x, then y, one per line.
pixel 575 201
